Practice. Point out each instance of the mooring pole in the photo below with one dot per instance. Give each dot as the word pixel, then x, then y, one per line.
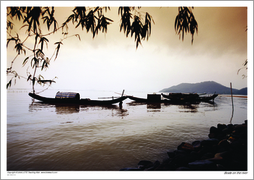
pixel 123 93
pixel 232 104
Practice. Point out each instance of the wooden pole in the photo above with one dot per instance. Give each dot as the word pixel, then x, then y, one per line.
pixel 123 93
pixel 232 104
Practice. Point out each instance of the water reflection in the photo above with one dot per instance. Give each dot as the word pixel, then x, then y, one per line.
pixel 193 108
pixel 70 109
pixel 67 109
pixel 120 112
pixel 184 107
pixel 153 106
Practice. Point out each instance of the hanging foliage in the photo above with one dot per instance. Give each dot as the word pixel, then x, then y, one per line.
pixel 185 22
pixel 40 22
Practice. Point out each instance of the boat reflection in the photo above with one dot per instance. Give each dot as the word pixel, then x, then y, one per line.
pixel 120 112
pixel 189 108
pixel 70 109
pixel 153 107
pixel 67 109
pixel 184 107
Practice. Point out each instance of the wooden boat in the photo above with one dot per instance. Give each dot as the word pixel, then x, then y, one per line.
pixel 208 97
pixel 137 99
pixel 74 99
pixel 151 98
pixel 188 97
pixel 182 97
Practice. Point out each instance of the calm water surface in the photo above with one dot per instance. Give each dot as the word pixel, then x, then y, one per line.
pixel 49 137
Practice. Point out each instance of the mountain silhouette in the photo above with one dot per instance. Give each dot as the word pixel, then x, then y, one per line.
pixel 208 87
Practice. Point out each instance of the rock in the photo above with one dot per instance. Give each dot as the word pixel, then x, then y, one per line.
pixel 165 165
pixel 180 160
pixel 183 169
pixel 196 145
pixel 156 164
pixel 219 158
pixel 213 130
pixel 223 145
pixel 202 165
pixel 225 150
pixel 226 155
pixel 130 169
pixel 220 167
pixel 209 142
pixel 144 164
pixel 171 154
pixel 239 146
pixel 207 156
pixel 180 152
pixel 185 146
pixel 220 127
pixel 194 155
pixel 212 135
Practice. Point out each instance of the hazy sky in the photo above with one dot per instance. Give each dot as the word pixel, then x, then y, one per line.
pixel 111 61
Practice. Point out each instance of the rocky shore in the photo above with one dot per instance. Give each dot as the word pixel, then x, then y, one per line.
pixel 224 150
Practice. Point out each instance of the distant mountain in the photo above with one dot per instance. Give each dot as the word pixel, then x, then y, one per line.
pixel 209 87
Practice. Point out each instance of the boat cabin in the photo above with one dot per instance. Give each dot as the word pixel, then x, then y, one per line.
pixel 67 95
pixel 153 97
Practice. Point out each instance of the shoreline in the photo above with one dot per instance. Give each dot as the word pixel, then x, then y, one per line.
pixel 224 150
pixel 239 96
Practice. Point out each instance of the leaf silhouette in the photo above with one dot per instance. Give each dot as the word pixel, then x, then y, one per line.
pixel 49 18
pixel 185 22
pixel 8 84
pixel 46 81
pixel 140 27
pixel 39 54
pixel 102 23
pixel 25 61
pixel 15 11
pixel 32 19
pixel 11 39
pixel 77 35
pixel 45 64
pixel 126 16
pixel 43 41
pixel 58 48
pixel 29 77
pixel 34 62
pixel 9 25
pixel 19 48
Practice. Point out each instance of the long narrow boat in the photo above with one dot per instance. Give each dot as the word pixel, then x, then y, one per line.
pixel 148 99
pixel 208 97
pixel 137 99
pixel 191 97
pixel 76 100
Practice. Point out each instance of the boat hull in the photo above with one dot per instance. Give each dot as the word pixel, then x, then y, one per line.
pixel 76 101
pixel 144 100
pixel 179 97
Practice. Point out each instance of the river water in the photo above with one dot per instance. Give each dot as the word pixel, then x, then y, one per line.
pixel 45 137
